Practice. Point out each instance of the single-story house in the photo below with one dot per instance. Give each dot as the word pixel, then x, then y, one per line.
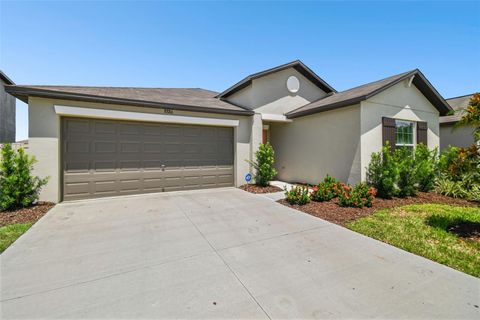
pixel 7 111
pixel 104 141
pixel 449 134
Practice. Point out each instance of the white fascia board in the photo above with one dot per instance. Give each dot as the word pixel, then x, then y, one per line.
pixel 275 117
pixel 141 116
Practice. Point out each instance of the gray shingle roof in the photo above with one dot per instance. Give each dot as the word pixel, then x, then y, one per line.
pixel 355 95
pixel 194 99
pixel 457 104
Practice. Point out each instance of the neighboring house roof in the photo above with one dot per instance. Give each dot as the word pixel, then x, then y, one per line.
pixel 297 65
pixel 366 91
pixel 458 104
pixel 191 99
pixel 5 79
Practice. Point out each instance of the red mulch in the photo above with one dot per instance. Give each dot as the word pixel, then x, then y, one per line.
pixel 253 188
pixel 24 215
pixel 332 212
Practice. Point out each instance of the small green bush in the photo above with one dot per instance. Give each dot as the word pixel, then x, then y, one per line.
pixel 297 195
pixel 474 193
pixel 450 188
pixel 426 165
pixel 455 162
pixel 403 173
pixel 406 173
pixel 357 197
pixel 265 172
pixel 459 171
pixel 18 188
pixel 382 173
pixel 325 190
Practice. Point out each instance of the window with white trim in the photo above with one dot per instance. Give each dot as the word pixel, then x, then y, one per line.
pixel 404 133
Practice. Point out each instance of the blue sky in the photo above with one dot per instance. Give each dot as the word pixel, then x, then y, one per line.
pixel 214 44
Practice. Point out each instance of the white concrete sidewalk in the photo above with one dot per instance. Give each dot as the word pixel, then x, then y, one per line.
pixel 217 254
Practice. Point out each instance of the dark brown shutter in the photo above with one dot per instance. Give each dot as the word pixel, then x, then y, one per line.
pixel 388 132
pixel 422 129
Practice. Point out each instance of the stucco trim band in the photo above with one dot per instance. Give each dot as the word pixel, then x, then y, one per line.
pixel 141 116
pixel 274 117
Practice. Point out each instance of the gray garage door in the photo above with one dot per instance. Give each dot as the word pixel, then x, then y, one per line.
pixel 109 158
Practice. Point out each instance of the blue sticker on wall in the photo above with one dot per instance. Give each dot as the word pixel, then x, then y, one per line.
pixel 248 177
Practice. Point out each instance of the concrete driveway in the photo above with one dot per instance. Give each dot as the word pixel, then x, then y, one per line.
pixel 218 253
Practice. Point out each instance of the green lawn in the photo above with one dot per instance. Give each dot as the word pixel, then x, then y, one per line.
pixel 421 229
pixel 10 233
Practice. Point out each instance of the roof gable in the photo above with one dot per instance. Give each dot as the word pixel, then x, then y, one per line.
pixel 5 78
pixel 297 65
pixel 366 91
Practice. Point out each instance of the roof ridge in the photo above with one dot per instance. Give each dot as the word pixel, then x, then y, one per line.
pixel 465 95
pixel 360 93
pixel 199 100
pixel 383 79
pixel 106 87
pixel 394 78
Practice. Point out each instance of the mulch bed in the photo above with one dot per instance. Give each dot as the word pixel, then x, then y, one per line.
pixel 469 230
pixel 25 215
pixel 253 188
pixel 332 212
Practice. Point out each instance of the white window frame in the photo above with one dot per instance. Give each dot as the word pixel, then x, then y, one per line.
pixel 414 135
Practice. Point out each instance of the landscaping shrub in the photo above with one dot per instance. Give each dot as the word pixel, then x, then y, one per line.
pixel 450 188
pixel 263 165
pixel 474 193
pixel 18 188
pixel 406 173
pixel 382 173
pixel 297 195
pixel 459 171
pixel 455 162
pixel 366 193
pixel 325 190
pixel 359 196
pixel 426 164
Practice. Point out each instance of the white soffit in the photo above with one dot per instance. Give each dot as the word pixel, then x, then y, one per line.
pixel 141 116
pixel 275 117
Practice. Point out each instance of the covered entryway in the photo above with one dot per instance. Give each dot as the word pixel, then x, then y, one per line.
pixel 111 157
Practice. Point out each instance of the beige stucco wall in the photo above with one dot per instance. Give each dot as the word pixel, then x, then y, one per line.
pixel 399 102
pixel 44 139
pixel 457 137
pixel 324 143
pixel 269 94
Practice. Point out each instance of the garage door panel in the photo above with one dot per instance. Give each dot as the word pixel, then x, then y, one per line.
pixel 105 127
pixel 79 188
pixel 79 126
pixel 104 186
pixel 171 130
pixel 107 157
pixel 105 166
pixel 131 147
pixel 73 147
pixel 77 166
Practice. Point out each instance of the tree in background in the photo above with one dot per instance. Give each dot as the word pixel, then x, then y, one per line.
pixel 471 116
